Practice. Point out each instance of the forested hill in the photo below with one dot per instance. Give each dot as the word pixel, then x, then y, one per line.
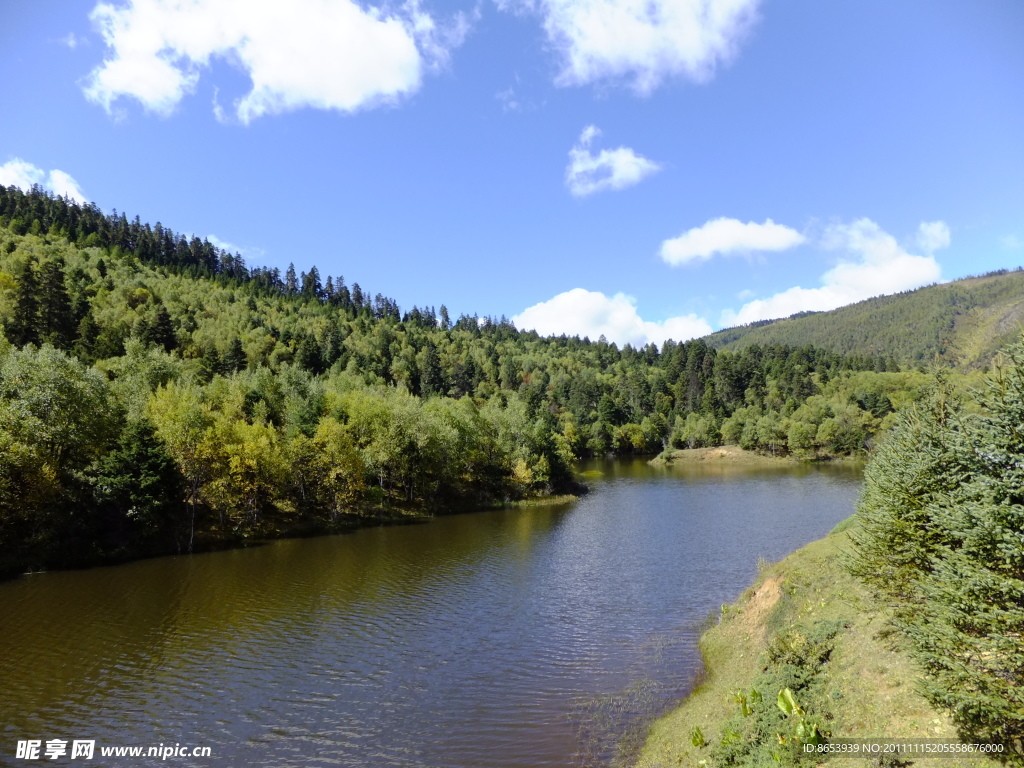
pixel 957 324
pixel 157 392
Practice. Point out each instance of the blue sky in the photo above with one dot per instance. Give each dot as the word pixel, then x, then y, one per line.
pixel 642 169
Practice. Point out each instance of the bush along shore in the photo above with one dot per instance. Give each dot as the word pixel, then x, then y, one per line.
pixel 906 622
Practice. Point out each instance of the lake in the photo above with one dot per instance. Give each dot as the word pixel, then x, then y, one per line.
pixel 540 636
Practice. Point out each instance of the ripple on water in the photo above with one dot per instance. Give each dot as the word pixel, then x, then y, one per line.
pixel 533 637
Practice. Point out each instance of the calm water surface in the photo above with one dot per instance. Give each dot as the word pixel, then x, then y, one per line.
pixel 529 637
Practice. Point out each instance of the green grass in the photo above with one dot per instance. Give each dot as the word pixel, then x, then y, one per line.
pixel 725 454
pixel 806 622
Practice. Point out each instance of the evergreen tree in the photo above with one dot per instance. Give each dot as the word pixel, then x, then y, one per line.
pixel 88 332
pixel 312 290
pixel 138 492
pixel 24 327
pixel 969 631
pixel 211 362
pixel 308 355
pixel 431 378
pixel 161 331
pixel 291 283
pixel 234 359
pixel 941 541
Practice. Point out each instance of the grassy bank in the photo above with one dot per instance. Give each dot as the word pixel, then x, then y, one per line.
pixel 808 626
pixel 724 454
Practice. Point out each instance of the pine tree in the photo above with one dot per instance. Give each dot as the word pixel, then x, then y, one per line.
pixel 161 330
pixel 308 355
pixel 291 283
pixel 942 541
pixel 138 490
pixel 211 362
pixel 234 359
pixel 431 377
pixel 88 332
pixel 969 631
pixel 25 323
pixel 311 288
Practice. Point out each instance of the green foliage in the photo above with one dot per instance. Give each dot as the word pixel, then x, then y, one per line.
pixel 697 737
pixel 287 403
pixel 773 731
pixel 137 490
pixel 962 323
pixel 943 541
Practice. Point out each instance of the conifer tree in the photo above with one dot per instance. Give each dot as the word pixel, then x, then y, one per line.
pixel 969 632
pixel 312 290
pixel 431 377
pixel 942 541
pixel 234 359
pixel 161 330
pixel 24 328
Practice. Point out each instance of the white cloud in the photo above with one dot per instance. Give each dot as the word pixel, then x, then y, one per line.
pixel 21 174
pixel 509 102
pixel 882 267
pixel 326 54
pixel 70 40
pixel 727 236
pixel 642 41
pixel 248 251
pixel 619 168
pixel 932 236
pixel 1011 242
pixel 580 312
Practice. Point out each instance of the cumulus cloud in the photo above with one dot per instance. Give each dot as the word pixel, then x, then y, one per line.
pixel 325 54
pixel 726 236
pixel 881 267
pixel 932 236
pixel 21 174
pixel 618 168
pixel 580 312
pixel 642 42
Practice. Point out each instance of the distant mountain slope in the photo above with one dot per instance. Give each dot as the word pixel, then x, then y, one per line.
pixel 958 324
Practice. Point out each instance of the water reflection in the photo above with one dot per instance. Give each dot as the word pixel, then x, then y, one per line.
pixel 507 638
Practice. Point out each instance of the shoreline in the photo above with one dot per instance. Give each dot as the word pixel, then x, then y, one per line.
pixel 722 454
pixel 856 680
pixel 740 457
pixel 208 543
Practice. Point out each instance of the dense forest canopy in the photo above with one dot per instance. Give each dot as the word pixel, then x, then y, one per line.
pixel 155 389
pixel 963 323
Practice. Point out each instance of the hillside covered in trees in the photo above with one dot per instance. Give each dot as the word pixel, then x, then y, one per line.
pixel 962 324
pixel 158 394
